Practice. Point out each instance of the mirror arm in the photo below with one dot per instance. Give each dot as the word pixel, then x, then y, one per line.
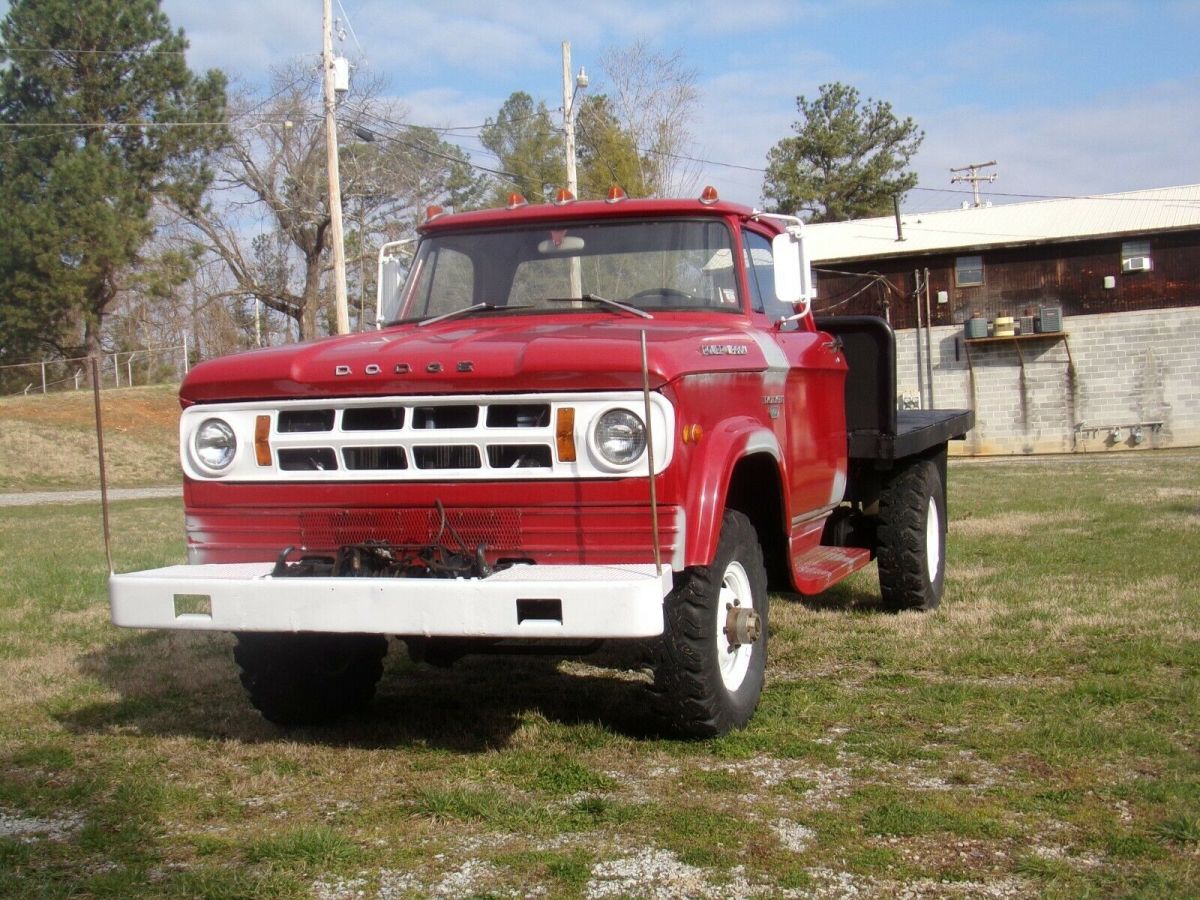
pixel 802 310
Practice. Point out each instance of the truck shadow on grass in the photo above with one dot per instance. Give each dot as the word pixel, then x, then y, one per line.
pixel 185 684
pixel 172 684
pixel 843 597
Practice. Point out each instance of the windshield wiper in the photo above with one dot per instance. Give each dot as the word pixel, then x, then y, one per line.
pixel 454 314
pixel 596 298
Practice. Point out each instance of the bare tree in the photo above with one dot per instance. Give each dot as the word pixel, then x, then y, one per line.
pixel 653 96
pixel 268 217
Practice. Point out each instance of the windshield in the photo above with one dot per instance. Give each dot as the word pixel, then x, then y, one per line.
pixel 652 265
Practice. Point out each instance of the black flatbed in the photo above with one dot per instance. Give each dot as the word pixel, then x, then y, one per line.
pixel 917 430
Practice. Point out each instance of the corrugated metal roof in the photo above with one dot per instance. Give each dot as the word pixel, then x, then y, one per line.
pixel 1041 221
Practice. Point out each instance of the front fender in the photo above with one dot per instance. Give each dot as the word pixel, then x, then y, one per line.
pixel 712 469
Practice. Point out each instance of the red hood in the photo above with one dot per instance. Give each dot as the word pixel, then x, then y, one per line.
pixel 484 354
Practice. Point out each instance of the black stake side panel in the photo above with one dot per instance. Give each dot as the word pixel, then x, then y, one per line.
pixel 876 429
pixel 869 345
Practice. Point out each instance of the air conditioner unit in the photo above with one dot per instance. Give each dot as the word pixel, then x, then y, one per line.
pixel 1136 264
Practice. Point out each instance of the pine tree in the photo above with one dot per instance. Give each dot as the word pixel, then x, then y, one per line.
pixel 846 160
pixel 608 154
pixel 91 102
pixel 529 147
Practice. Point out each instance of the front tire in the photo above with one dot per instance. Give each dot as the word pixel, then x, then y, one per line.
pixel 309 678
pixel 912 537
pixel 710 663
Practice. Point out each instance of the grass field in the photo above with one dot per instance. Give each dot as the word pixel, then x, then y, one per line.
pixel 49 441
pixel 1037 736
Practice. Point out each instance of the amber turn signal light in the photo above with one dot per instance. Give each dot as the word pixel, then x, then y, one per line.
pixel 262 444
pixel 564 434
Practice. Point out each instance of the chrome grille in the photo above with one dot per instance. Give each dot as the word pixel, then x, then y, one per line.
pixel 473 437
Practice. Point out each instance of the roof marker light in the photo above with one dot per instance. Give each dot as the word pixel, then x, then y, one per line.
pixel 616 194
pixel 562 197
pixel 515 200
pixel 709 195
pixel 432 212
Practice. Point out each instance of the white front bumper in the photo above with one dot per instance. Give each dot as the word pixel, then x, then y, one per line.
pixel 525 601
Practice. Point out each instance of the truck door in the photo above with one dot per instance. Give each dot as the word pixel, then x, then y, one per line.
pixel 810 421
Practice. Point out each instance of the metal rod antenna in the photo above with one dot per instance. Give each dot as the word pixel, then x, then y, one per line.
pixel 650 458
pixel 100 455
pixel 928 343
pixel 917 336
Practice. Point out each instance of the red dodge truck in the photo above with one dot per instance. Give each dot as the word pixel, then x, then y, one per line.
pixel 577 422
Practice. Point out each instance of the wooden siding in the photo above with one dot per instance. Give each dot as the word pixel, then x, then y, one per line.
pixel 1069 275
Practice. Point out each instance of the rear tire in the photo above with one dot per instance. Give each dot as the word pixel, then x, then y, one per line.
pixel 912 537
pixel 309 678
pixel 705 682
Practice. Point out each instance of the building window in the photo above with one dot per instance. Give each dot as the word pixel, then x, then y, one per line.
pixel 968 271
pixel 1135 256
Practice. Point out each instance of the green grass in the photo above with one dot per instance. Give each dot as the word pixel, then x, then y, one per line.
pixel 1038 734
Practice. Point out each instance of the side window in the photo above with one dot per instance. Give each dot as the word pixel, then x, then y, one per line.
pixel 968 271
pixel 760 272
pixel 1135 256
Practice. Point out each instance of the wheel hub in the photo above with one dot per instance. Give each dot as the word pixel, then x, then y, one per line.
pixel 742 625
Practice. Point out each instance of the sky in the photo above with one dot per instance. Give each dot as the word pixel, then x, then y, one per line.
pixel 1070 97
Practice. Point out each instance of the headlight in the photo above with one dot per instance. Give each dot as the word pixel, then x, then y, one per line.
pixel 215 444
pixel 619 437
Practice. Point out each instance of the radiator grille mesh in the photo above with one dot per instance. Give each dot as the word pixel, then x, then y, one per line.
pixel 498 529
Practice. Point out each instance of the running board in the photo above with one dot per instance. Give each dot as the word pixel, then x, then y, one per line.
pixel 822 567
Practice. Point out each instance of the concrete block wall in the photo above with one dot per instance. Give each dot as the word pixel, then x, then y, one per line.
pixel 1122 370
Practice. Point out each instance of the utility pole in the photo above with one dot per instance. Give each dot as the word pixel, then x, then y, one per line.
pixel 335 182
pixel 974 177
pixel 569 90
pixel 569 113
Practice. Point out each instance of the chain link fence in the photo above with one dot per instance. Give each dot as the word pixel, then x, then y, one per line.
pixel 125 368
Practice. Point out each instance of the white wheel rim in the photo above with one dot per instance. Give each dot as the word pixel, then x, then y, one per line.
pixel 735 592
pixel 933 541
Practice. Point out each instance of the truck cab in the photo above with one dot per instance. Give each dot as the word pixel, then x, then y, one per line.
pixel 576 422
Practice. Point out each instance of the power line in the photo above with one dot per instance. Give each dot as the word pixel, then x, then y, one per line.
pixel 511 177
pixel 64 125
pixel 137 50
pixel 346 16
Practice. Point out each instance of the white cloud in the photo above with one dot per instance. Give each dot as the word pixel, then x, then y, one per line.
pixel 1126 141
pixel 244 39
pixel 982 97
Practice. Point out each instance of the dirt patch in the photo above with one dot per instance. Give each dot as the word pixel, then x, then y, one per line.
pixel 1014 524
pixel 661 875
pixel 127 409
pixel 793 836
pixel 28 829
pixel 50 441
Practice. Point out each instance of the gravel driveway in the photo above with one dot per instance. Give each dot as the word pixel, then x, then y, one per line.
pixel 43 498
